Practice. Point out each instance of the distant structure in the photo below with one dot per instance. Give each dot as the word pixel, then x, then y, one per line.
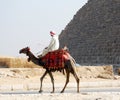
pixel 93 35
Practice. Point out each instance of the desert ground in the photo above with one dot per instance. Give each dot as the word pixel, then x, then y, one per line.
pixel 20 80
pixel 24 83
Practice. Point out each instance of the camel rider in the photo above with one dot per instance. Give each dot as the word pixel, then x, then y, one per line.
pixel 54 44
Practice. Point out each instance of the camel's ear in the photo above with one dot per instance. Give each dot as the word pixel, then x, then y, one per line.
pixel 28 48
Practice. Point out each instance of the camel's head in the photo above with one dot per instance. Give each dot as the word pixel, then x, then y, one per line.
pixel 25 50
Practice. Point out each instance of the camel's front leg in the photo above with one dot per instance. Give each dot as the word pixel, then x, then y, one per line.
pixel 41 79
pixel 52 80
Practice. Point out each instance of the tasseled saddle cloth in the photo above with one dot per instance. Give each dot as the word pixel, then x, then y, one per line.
pixel 55 60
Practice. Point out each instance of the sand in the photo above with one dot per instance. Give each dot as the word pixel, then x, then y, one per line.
pixel 23 84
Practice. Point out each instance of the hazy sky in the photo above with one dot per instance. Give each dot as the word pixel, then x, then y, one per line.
pixel 28 22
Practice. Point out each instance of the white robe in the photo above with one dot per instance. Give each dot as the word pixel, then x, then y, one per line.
pixel 54 45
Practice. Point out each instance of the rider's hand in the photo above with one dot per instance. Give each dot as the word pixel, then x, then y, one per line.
pixel 46 47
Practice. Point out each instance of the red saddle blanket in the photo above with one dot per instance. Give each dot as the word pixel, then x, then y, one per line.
pixel 55 59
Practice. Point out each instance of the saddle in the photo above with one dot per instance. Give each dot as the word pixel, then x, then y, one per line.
pixel 55 60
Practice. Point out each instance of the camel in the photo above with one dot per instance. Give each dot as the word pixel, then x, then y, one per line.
pixel 68 68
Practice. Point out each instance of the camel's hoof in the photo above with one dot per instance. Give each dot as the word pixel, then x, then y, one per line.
pixel 52 92
pixel 40 91
pixel 77 91
pixel 61 91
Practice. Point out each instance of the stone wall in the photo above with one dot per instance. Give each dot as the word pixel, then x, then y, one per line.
pixel 93 35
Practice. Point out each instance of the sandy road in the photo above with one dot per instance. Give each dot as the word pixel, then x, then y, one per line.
pixel 69 94
pixel 68 90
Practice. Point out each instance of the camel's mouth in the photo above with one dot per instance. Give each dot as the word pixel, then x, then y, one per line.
pixel 20 51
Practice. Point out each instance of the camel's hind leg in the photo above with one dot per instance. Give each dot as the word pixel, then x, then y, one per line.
pixel 67 80
pixel 77 80
pixel 75 75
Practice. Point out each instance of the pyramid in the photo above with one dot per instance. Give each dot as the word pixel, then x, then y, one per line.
pixel 93 35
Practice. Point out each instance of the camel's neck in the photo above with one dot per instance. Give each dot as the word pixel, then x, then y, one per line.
pixel 33 58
